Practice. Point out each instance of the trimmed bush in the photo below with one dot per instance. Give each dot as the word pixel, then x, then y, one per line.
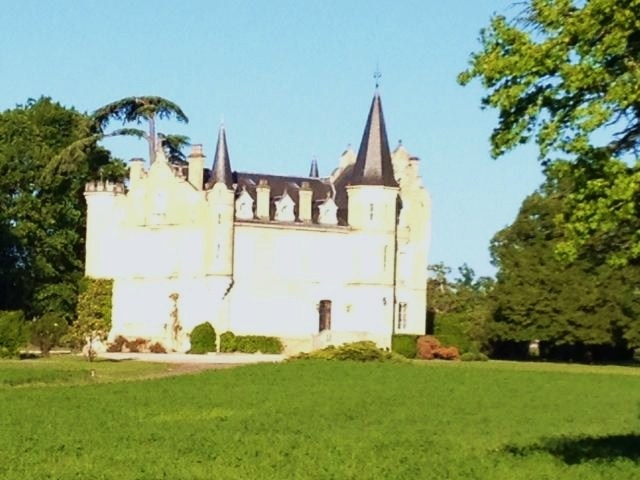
pixel 227 342
pixel 13 333
pixel 47 330
pixel 257 343
pixel 451 329
pixel 405 345
pixel 473 357
pixel 363 351
pixel 203 339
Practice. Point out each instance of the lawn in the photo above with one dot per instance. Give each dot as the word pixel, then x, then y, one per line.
pixel 315 419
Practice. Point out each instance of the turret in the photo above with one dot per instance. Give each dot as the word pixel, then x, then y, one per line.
pixel 221 205
pixel 372 190
pixel 102 249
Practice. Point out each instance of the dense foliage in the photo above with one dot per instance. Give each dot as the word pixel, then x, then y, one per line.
pixel 404 345
pixel 13 333
pixel 43 172
pixel 581 311
pixel 93 315
pixel 564 73
pixel 203 339
pixel 362 351
pixel 47 331
pixel 458 309
pixel 229 342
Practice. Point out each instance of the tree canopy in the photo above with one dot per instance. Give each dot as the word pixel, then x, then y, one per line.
pixel 149 109
pixel 42 209
pixel 565 74
pixel 583 306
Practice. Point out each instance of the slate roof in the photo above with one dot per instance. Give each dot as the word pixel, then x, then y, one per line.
pixel 221 169
pixel 373 163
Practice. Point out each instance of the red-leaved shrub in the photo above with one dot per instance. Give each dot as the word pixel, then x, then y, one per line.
pixel 429 347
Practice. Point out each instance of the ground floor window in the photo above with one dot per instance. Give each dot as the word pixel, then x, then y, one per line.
pixel 402 316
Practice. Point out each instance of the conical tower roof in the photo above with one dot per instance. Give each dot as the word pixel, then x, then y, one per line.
pixel 313 171
pixel 373 164
pixel 221 169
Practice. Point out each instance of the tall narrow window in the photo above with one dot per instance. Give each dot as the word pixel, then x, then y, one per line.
pixel 384 257
pixel 371 211
pixel 324 315
pixel 402 316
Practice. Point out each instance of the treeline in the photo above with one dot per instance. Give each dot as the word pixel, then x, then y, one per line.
pixel 539 304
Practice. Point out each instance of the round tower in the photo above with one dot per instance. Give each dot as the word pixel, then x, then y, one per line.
pixel 102 249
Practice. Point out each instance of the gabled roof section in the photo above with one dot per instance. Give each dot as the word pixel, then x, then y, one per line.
pixel 373 165
pixel 221 169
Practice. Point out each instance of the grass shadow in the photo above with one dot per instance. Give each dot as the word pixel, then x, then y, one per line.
pixel 575 450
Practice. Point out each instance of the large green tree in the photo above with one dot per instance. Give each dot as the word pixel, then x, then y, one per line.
pixel 566 74
pixel 42 209
pixel 583 308
pixel 145 109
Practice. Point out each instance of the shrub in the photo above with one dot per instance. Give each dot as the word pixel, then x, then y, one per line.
pixel 139 345
pixel 203 339
pixel 429 347
pixel 363 351
pixel 117 345
pixel 257 343
pixel 473 357
pixel 453 329
pixel 47 330
pixel 13 333
pixel 405 345
pixel 446 353
pixel 157 348
pixel 93 314
pixel 227 342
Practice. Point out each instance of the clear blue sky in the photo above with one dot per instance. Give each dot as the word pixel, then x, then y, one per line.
pixel 292 80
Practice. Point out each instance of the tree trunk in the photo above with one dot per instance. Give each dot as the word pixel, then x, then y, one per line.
pixel 152 140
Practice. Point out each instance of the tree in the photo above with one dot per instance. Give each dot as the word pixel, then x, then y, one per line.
pixel 457 310
pixel 565 74
pixel 42 209
pixel 585 308
pixel 148 109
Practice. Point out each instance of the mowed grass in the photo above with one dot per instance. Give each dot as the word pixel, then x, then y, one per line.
pixel 341 420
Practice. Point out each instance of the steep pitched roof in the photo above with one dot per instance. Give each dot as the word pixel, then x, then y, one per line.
pixel 313 171
pixel 221 169
pixel 373 165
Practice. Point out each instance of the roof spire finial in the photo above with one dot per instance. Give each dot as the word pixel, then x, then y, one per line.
pixel 377 75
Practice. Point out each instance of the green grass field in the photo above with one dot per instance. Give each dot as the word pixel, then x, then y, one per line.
pixel 315 419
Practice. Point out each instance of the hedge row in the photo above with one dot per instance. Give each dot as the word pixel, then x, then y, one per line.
pixel 229 342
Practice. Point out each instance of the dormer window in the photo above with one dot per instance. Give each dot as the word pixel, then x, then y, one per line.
pixel 244 206
pixel 284 209
pixel 328 212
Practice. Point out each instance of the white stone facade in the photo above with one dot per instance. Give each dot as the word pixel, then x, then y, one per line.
pixel 317 262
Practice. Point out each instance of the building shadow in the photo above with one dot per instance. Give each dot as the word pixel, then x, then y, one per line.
pixel 575 450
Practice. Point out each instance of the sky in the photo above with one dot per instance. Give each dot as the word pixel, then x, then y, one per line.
pixel 291 80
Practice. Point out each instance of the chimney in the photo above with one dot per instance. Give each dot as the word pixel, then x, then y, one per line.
pixel 304 202
pixel 196 166
pixel 136 169
pixel 263 207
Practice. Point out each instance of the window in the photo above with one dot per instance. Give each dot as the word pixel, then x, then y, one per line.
pixel 384 257
pixel 324 315
pixel 371 211
pixel 402 316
